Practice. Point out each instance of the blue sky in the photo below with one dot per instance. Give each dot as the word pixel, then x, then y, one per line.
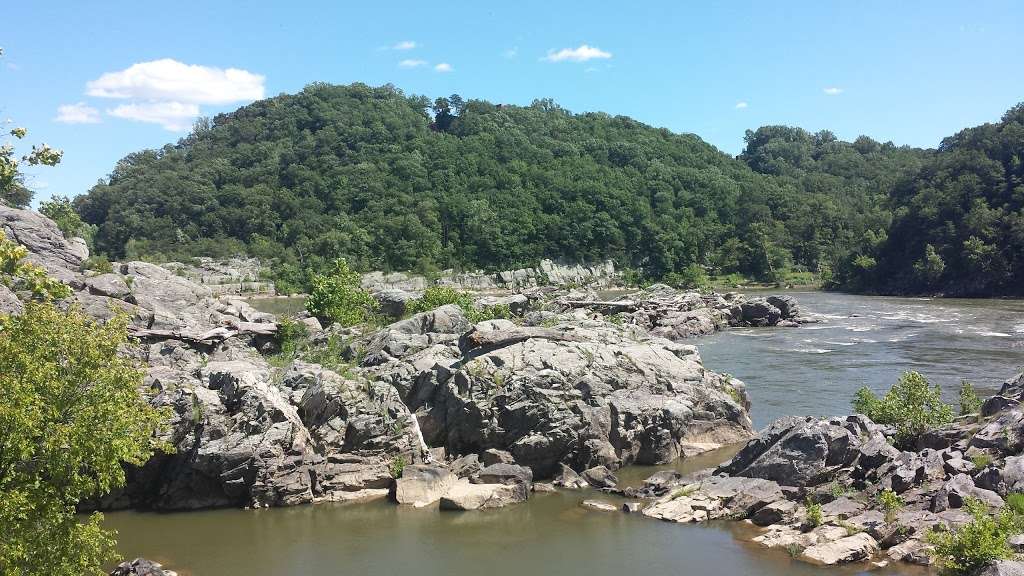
pixel 134 73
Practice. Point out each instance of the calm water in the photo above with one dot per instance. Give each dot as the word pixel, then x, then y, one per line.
pixel 809 370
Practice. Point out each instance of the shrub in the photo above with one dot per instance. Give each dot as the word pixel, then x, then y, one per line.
pixel 60 210
pixel 814 514
pixel 891 503
pixel 969 401
pixel 99 264
pixel 338 297
pixel 437 296
pixel 1015 502
pixel 20 274
pixel 911 406
pixel 977 543
pixel 980 460
pixel 693 276
pixel 397 466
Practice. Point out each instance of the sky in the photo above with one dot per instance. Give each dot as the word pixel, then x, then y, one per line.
pixel 103 79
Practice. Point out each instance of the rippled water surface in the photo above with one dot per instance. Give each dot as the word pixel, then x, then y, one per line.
pixel 869 341
pixel 809 370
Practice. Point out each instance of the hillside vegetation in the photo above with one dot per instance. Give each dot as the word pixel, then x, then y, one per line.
pixel 395 182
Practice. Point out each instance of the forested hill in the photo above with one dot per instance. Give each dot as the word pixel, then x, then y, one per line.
pixel 391 181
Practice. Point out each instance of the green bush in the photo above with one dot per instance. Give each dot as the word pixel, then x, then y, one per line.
pixel 814 513
pixel 977 543
pixel 99 264
pixel 969 401
pixel 693 276
pixel 1015 502
pixel 912 406
pixel 891 503
pixel 338 297
pixel 437 296
pixel 981 460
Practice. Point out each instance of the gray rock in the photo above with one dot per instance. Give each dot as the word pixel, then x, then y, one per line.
pixel 775 513
pixel 600 477
pixel 1003 568
pixel 9 302
pixel 110 285
pixel 960 487
pixel 495 456
pixel 140 567
pixel 760 313
pixel 599 505
pixel 466 496
pixel 421 485
pixel 853 548
pixel 787 305
pixel 568 478
pixel 393 301
pixel 465 466
pixel 45 243
pixel 504 474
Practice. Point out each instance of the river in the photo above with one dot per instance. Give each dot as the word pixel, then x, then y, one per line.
pixel 814 369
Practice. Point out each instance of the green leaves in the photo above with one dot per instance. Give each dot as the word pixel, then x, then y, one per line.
pixel 19 274
pixel 980 541
pixel 910 405
pixel 338 297
pixel 70 414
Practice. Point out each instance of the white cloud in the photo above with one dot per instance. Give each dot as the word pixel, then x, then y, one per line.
pixel 832 91
pixel 444 67
pixel 170 81
pixel 80 113
pixel 412 63
pixel 741 105
pixel 174 116
pixel 581 54
pixel 404 45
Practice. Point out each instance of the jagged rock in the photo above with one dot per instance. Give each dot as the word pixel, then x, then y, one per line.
pixel 961 486
pixel 9 302
pixel 495 456
pixel 913 552
pixel 393 301
pixel 504 474
pixel 760 313
pixel 517 303
pixel 632 507
pixel 421 485
pixel 464 495
pixel 805 451
pixel 787 305
pixel 45 243
pixel 600 477
pixel 599 506
pixel 140 567
pixel 854 548
pixel 842 508
pixel 775 513
pixel 568 478
pixel 1003 568
pixel 465 466
pixel 110 285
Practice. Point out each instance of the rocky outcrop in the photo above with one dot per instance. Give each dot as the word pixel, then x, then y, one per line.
pixel 421 485
pixel 547 273
pixel 140 567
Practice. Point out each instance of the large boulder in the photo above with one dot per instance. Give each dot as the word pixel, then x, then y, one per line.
pixel 1003 568
pixel 853 548
pixel 760 312
pixel 46 244
pixel 808 451
pixel 421 485
pixel 464 495
pixel 140 567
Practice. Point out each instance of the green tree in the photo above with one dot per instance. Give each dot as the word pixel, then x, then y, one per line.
pixel 338 297
pixel 911 405
pixel 60 210
pixel 70 415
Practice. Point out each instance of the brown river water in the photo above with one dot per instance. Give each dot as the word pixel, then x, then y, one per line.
pixel 814 369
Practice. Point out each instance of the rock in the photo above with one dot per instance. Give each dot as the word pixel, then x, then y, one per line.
pixel 464 495
pixel 393 301
pixel 599 506
pixel 544 487
pixel 568 478
pixel 912 551
pixel 805 451
pixel 312 325
pixel 140 567
pixel 465 466
pixel 516 303
pixel 1016 542
pixel 600 477
pixel 110 285
pixel 1003 568
pixel 421 485
pixel 495 456
pixel 9 302
pixel 632 507
pixel 961 486
pixel 45 243
pixel 842 508
pixel 787 305
pixel 774 513
pixel 760 313
pixel 504 474
pixel 853 548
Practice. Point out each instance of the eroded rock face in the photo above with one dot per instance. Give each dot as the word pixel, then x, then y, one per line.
pixel 140 567
pixel 583 393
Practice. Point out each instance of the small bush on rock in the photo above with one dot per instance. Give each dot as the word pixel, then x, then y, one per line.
pixel 338 297
pixel 977 543
pixel 891 503
pixel 969 401
pixel 437 296
pixel 912 406
pixel 814 513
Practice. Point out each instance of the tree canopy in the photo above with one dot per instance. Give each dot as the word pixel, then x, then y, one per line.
pixel 397 182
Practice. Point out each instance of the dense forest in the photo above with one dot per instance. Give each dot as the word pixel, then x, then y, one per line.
pixel 396 182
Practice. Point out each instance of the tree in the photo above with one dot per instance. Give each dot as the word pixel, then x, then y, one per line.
pixel 338 297
pixel 60 210
pixel 911 405
pixel 70 414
